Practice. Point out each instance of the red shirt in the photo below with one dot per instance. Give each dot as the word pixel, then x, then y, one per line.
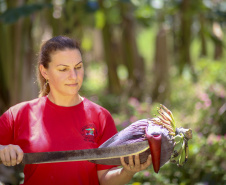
pixel 41 126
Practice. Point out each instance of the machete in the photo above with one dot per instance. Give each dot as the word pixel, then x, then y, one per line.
pixel 108 155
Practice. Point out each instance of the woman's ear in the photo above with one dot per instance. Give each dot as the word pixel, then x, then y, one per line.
pixel 43 71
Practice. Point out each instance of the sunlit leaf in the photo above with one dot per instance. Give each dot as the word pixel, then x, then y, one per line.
pixel 100 19
pixel 86 43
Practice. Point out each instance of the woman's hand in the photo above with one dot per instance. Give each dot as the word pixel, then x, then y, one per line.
pixel 10 155
pixel 132 167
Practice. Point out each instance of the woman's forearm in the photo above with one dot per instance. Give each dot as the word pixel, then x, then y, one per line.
pixel 115 176
pixel 121 176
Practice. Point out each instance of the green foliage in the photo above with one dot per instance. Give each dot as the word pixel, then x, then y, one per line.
pixel 200 106
pixel 218 12
pixel 212 98
pixel 12 15
pixel 99 19
pixel 94 81
pixel 206 165
pixel 145 14
pixel 146 44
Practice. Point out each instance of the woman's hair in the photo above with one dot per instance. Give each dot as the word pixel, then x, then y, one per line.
pixel 59 43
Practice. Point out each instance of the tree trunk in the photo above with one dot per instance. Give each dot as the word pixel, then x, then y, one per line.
pixel 185 36
pixel 110 55
pixel 29 87
pixel 16 83
pixel 5 67
pixel 161 85
pixel 110 58
pixel 10 61
pixel 202 35
pixel 218 40
pixel 133 61
pixel 18 75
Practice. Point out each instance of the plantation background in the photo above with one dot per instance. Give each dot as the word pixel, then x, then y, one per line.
pixel 137 55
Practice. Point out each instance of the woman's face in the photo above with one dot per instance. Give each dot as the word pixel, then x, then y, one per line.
pixel 65 72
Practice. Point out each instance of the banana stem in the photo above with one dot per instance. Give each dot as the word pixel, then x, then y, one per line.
pixel 186 132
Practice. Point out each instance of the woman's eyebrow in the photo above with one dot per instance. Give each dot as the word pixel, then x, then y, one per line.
pixel 78 63
pixel 68 65
pixel 62 65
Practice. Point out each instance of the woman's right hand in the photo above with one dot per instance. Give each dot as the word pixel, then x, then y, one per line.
pixel 10 155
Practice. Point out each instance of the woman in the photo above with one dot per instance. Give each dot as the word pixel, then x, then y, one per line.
pixel 60 119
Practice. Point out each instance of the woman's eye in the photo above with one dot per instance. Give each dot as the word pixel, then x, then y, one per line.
pixel 62 69
pixel 79 67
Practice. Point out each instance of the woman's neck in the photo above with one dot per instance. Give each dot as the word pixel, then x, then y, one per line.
pixel 65 101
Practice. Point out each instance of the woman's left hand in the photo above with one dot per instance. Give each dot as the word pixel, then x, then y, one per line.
pixel 135 166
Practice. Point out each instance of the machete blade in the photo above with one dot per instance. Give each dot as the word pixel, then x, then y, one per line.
pixel 109 155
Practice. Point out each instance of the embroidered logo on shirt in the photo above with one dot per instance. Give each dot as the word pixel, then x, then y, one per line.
pixel 89 132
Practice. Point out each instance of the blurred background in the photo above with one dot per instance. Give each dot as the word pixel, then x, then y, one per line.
pixel 137 54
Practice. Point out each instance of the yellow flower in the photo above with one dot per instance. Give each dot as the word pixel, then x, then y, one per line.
pixel 136 183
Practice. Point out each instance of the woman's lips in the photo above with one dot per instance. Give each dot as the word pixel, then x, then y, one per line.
pixel 72 85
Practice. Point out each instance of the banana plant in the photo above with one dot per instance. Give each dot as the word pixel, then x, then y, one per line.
pixel 165 143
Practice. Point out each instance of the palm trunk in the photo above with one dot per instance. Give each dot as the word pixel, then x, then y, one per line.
pixel 29 88
pixel 185 36
pixel 202 35
pixel 110 55
pixel 5 67
pixel 110 58
pixel 218 37
pixel 161 85
pixel 16 83
pixel 133 61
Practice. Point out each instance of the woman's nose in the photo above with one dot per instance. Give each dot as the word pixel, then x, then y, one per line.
pixel 73 74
